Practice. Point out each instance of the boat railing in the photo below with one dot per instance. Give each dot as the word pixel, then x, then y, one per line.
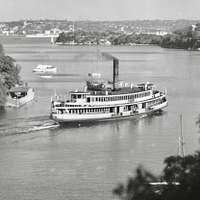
pixel 12 101
pixel 131 101
pixel 60 98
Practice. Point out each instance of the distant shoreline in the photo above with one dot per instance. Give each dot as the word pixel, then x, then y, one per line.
pixel 47 40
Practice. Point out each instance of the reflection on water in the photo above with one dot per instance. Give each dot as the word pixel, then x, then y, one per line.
pixel 86 161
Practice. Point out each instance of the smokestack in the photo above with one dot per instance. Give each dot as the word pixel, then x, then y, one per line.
pixel 115 73
pixel 115 68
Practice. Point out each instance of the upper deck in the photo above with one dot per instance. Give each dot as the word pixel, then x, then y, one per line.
pixel 124 95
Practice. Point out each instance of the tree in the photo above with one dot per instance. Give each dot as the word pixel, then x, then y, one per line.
pixel 181 175
pixel 1 50
pixel 2 94
pixel 138 187
pixel 9 71
pixel 9 74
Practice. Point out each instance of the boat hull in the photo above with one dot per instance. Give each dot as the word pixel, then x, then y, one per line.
pixel 19 102
pixel 82 118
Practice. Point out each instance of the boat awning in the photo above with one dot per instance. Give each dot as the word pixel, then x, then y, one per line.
pixel 18 89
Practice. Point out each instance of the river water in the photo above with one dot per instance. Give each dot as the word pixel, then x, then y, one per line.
pixel 86 162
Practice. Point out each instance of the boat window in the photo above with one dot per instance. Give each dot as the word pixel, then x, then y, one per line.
pixel 73 96
pixel 88 99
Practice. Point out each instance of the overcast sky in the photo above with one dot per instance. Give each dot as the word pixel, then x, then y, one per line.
pixel 99 9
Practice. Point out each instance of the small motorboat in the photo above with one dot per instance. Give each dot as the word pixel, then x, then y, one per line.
pixel 41 69
pixel 19 95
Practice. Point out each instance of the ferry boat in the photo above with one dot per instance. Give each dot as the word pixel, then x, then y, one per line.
pixel 45 69
pixel 100 100
pixel 19 95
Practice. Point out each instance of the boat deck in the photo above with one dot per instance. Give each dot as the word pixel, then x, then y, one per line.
pixel 124 90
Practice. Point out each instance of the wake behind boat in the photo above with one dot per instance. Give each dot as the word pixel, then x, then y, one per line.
pixel 101 100
pixel 48 125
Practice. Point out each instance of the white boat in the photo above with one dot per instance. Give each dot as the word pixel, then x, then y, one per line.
pixel 45 69
pixel 101 101
pixel 19 95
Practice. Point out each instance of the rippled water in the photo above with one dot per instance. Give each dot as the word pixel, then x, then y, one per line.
pixel 86 162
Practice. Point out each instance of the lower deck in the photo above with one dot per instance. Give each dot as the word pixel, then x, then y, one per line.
pixel 68 114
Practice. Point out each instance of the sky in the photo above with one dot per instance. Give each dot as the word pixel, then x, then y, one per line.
pixel 99 9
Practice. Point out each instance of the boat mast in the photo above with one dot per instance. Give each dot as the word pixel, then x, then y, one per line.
pixel 73 31
pixel 181 150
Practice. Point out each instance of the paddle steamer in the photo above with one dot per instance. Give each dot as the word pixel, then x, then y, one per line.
pixel 100 100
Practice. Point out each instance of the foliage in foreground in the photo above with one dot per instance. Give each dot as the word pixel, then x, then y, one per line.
pixel 182 175
pixel 9 74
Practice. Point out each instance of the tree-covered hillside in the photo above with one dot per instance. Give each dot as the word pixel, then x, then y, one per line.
pixel 103 38
pixel 187 38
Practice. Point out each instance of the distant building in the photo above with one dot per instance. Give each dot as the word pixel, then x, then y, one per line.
pixel 104 42
pixel 161 33
pixel 193 27
pixel 56 31
pixel 6 32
